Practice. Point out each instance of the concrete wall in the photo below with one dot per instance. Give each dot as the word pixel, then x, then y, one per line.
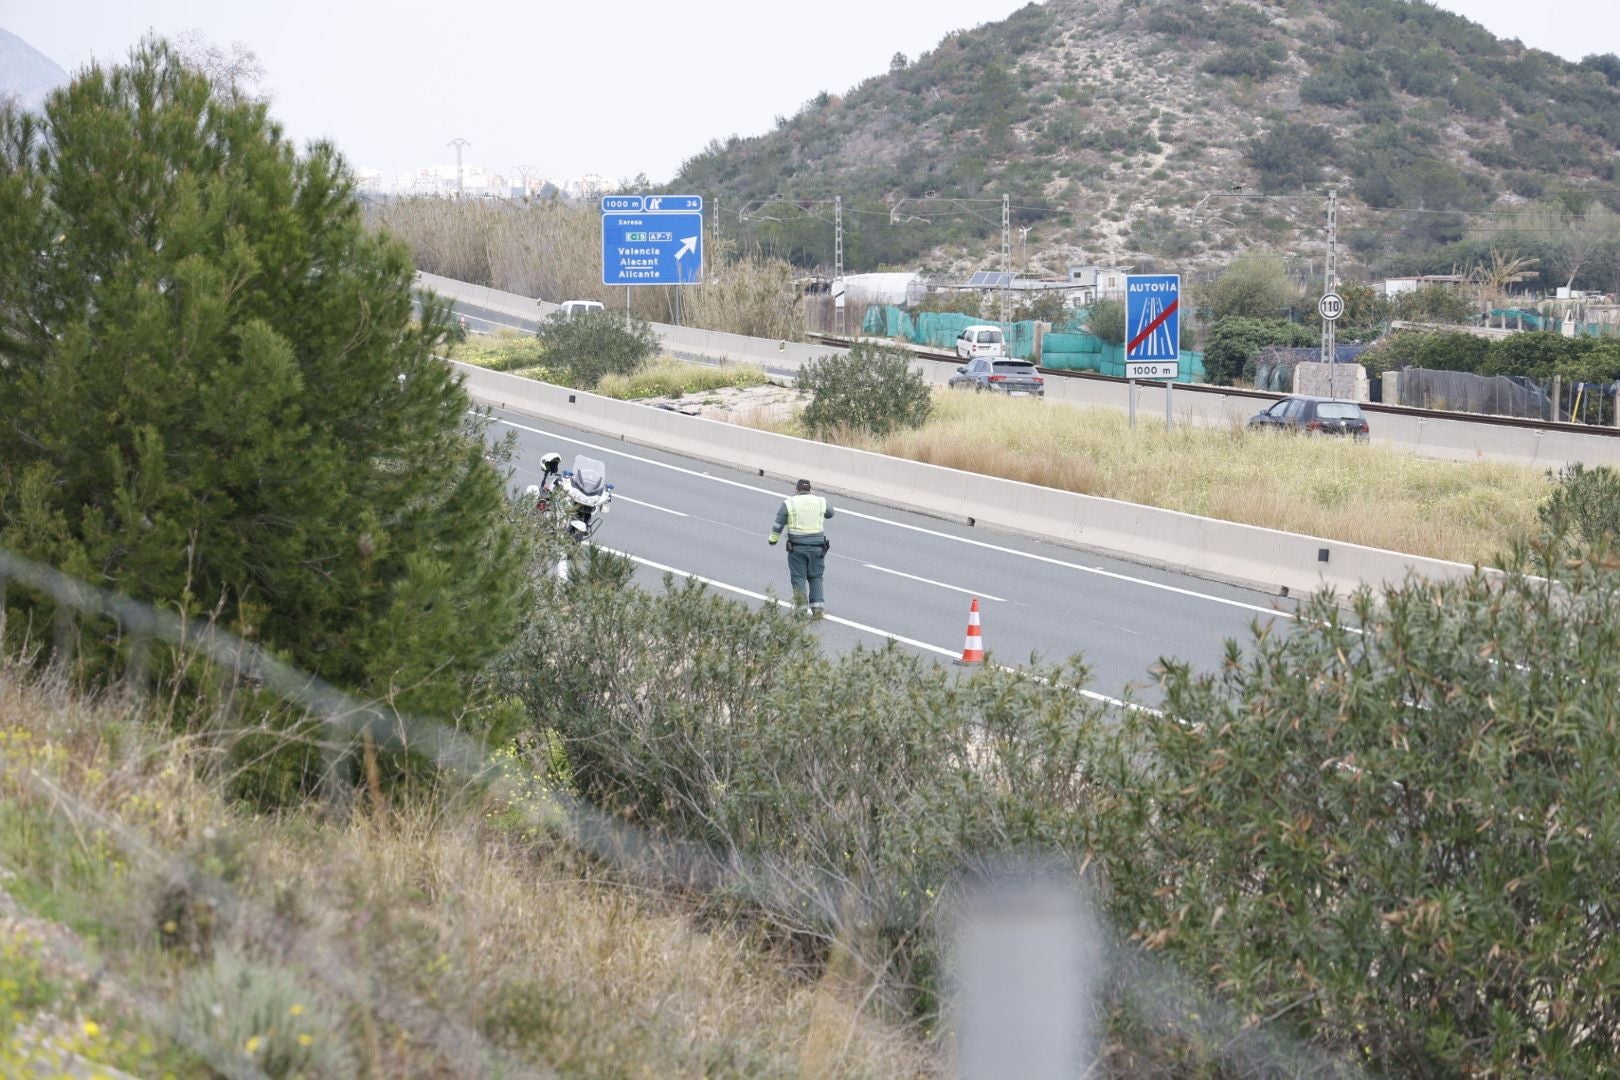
pixel 1458 439
pixel 1265 558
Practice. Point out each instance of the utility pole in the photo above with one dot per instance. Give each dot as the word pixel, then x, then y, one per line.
pixel 839 318
pixel 458 143
pixel 1023 243
pixel 1006 249
pixel 1330 282
pixel 524 172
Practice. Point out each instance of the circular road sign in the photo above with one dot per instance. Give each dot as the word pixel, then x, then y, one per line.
pixel 1331 306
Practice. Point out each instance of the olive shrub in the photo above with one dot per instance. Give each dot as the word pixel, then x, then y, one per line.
pixel 871 389
pixel 1386 836
pixel 1398 833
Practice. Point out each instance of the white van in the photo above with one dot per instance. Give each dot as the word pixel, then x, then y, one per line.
pixel 980 341
pixel 569 308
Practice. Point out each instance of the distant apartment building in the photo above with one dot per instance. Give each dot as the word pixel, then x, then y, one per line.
pixel 1094 283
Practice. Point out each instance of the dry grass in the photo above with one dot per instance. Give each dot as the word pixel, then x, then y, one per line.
pixel 676 378
pixel 459 937
pixel 1361 493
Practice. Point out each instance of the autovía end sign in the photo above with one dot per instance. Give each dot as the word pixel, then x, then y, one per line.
pixel 652 239
pixel 1153 326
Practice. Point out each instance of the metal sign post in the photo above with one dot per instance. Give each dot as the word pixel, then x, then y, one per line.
pixel 1330 307
pixel 1153 333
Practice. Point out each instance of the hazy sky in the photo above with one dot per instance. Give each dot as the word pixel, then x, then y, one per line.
pixel 617 88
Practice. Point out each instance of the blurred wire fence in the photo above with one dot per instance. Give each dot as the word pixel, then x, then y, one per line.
pixel 1032 965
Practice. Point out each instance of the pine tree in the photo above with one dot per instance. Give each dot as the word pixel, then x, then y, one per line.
pixel 218 399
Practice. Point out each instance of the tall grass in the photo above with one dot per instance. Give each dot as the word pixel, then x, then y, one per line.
pixel 1361 493
pixel 461 938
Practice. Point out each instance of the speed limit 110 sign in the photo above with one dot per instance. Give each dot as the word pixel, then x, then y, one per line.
pixel 1331 306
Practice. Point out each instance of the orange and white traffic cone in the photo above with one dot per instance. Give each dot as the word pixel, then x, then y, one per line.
pixel 973 647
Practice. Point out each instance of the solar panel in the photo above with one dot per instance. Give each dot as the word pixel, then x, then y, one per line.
pixel 991 277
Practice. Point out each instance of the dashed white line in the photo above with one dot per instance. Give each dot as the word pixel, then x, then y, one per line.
pixel 650 506
pixel 1114 575
pixel 938 584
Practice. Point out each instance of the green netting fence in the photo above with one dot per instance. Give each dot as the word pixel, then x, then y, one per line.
pixel 1068 349
pixel 1076 350
pixel 938 329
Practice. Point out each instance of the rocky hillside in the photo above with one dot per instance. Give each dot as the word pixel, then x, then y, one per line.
pixel 26 74
pixel 1110 124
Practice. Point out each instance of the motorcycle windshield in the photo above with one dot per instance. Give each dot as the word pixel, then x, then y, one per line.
pixel 590 475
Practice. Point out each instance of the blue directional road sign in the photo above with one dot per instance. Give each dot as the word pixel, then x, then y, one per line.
pixel 652 249
pixel 1153 326
pixel 652 239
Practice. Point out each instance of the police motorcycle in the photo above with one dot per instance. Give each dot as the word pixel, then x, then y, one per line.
pixel 581 495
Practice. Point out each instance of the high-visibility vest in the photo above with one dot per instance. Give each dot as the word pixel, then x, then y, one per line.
pixel 805 513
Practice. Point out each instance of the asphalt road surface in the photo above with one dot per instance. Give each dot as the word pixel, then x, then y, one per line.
pixel 896 574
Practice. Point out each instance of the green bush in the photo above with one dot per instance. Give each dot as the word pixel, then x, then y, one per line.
pixel 1234 342
pixel 1584 507
pixel 1397 830
pixel 1434 351
pixel 598 343
pixel 1107 321
pixel 1434 303
pixel 871 389
pixel 1289 157
pixel 1253 285
pixel 839 788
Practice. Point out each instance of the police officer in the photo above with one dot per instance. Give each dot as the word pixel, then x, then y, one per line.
pixel 801 516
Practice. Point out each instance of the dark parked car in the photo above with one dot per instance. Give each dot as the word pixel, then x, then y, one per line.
pixel 1016 378
pixel 1314 416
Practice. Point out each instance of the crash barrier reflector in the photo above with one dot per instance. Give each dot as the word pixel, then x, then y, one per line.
pixel 1266 558
pixel 973 646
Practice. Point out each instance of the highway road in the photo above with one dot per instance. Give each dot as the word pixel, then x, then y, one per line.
pixel 895 574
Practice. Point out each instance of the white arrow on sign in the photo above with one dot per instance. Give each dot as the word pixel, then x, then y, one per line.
pixel 688 244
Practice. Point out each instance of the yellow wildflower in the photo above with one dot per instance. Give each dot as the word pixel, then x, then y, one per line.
pixel 252 1045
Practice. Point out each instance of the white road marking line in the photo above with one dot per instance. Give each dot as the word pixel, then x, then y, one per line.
pixel 1162 586
pixel 648 505
pixel 931 581
pixel 852 624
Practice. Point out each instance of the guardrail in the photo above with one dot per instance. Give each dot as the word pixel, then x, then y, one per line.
pixel 1267 558
pixel 1428 432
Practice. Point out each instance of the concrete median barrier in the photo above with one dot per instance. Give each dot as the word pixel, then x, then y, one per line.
pixel 1264 558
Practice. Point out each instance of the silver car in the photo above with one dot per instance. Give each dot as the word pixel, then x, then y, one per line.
pixel 1015 378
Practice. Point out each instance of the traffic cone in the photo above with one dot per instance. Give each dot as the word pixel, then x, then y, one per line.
pixel 973 647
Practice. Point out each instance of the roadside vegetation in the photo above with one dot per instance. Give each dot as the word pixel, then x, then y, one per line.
pixel 627 369
pixel 1365 494
pixel 153 924
pixel 311 765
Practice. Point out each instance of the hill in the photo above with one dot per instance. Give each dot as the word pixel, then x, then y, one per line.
pixel 26 74
pixel 1107 124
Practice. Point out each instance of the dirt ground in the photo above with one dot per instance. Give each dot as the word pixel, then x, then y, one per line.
pixel 754 405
